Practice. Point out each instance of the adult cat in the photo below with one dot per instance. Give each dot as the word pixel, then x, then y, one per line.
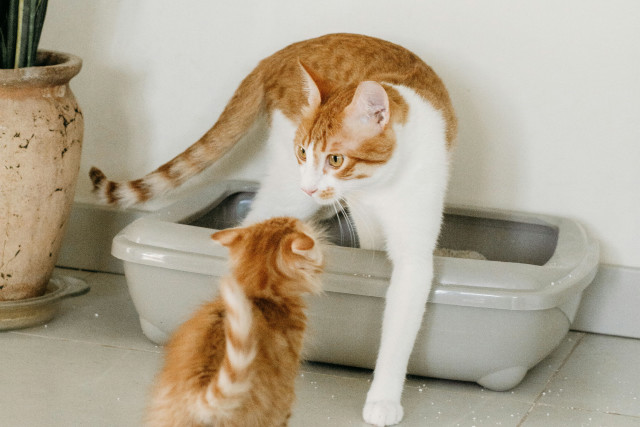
pixel 354 120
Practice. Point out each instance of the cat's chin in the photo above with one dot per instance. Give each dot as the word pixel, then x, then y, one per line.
pixel 326 202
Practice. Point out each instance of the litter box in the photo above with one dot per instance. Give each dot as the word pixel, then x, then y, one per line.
pixel 487 320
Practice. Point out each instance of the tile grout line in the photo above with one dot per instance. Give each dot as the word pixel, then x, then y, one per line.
pixel 589 410
pixel 551 378
pixel 37 336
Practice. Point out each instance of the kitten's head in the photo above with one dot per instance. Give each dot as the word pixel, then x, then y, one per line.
pixel 278 257
pixel 344 137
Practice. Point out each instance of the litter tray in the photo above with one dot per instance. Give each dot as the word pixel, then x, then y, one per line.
pixel 487 320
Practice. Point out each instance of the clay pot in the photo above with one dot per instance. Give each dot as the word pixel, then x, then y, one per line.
pixel 41 129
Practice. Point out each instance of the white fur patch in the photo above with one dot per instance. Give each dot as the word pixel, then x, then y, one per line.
pixel 240 320
pixel 311 171
pixel 280 193
pixel 239 313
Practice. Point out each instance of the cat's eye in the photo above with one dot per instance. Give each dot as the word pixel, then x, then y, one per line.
pixel 302 153
pixel 335 160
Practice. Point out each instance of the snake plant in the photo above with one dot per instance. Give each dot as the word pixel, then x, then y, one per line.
pixel 20 28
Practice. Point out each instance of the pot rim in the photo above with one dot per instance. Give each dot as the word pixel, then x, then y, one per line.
pixel 53 69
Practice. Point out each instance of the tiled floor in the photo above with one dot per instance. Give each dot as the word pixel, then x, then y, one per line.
pixel 92 366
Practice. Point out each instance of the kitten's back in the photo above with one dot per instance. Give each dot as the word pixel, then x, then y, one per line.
pixel 234 363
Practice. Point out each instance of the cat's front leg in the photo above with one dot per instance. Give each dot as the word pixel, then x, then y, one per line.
pixel 410 245
pixel 405 305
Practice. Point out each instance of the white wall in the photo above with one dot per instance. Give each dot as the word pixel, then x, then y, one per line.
pixel 547 92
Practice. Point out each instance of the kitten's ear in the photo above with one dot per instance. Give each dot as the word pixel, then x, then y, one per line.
pixel 227 237
pixel 303 245
pixel 368 113
pixel 316 88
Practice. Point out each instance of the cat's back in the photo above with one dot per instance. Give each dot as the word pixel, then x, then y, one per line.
pixel 346 59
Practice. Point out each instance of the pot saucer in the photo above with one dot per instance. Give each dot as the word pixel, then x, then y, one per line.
pixel 36 311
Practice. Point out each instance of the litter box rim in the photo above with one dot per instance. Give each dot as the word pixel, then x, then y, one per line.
pixel 159 240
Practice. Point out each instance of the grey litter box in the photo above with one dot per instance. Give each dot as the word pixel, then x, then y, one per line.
pixel 487 321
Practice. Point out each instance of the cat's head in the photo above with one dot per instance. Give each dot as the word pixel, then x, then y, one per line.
pixel 344 137
pixel 278 257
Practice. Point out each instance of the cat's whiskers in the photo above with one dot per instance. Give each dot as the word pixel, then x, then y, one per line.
pixel 335 209
pixel 342 203
pixel 365 227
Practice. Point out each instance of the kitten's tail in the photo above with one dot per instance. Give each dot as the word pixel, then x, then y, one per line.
pixel 229 388
pixel 235 121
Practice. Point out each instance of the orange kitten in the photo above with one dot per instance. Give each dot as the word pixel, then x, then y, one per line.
pixel 234 363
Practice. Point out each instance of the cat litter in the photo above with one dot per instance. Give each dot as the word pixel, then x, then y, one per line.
pixel 506 288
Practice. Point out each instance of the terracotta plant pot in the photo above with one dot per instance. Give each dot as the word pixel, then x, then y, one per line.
pixel 41 129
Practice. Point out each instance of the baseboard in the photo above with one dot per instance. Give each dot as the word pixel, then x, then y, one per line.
pixel 609 305
pixel 90 231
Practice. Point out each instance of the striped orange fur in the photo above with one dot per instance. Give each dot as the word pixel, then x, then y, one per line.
pixel 234 363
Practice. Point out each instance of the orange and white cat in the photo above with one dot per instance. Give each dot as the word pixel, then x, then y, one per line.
pixel 354 121
pixel 234 363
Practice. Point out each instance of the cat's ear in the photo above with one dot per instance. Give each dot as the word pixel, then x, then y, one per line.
pixel 315 87
pixel 368 113
pixel 227 237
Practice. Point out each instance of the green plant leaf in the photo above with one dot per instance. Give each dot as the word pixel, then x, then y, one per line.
pixel 8 21
pixel 41 11
pixel 21 23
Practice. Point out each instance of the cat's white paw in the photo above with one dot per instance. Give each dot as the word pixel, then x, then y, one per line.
pixel 382 413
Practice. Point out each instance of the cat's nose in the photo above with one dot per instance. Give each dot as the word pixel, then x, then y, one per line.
pixel 309 190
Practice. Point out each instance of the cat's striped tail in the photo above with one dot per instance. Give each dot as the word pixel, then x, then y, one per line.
pixel 241 112
pixel 231 385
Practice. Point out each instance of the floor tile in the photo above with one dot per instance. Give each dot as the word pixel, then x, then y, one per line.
pixel 550 416
pixel 327 400
pixel 51 382
pixel 333 400
pixel 104 315
pixel 602 374
pixel 453 408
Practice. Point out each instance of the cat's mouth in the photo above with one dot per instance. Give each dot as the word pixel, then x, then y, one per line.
pixel 326 196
